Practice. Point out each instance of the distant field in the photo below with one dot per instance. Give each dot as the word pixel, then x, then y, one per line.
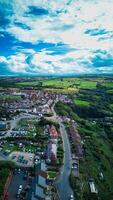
pixel 81 102
pixel 109 91
pixel 88 85
pixel 68 89
pixel 62 85
pixel 9 97
pixel 108 84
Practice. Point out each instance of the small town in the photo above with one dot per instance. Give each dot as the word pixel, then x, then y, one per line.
pixel 30 136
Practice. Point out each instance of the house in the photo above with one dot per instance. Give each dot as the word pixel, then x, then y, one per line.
pixel 39 186
pixel 3 125
pixel 38 192
pixel 53 132
pixel 76 139
pixel 40 169
pixel 52 151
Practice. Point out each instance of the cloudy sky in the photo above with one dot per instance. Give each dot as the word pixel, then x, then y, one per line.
pixel 56 37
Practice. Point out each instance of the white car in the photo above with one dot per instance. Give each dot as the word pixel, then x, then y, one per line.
pixel 20 187
pixel 71 197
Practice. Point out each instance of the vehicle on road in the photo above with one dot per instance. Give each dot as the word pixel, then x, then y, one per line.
pixel 20 187
pixel 71 197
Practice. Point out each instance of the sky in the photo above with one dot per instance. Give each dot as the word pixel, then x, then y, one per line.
pixel 56 37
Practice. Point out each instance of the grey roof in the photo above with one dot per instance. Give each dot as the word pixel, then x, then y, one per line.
pixel 41 181
pixel 40 166
pixel 39 192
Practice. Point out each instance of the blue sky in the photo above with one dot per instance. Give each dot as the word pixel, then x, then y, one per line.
pixel 56 37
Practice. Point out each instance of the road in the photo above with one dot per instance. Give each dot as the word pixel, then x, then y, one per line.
pixel 62 184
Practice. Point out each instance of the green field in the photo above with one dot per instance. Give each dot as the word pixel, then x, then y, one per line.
pixel 109 91
pixel 61 84
pixel 10 148
pixel 80 102
pixel 52 174
pixel 10 97
pixel 108 84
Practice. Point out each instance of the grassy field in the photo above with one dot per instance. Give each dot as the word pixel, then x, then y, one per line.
pixel 52 174
pixel 13 147
pixel 108 84
pixel 109 91
pixel 10 97
pixel 79 102
pixel 10 148
pixel 62 84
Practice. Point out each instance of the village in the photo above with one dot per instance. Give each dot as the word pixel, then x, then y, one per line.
pixel 35 139
pixel 30 145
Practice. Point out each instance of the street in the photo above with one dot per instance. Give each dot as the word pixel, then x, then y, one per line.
pixel 62 184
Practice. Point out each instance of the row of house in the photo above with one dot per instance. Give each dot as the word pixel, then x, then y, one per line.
pixel 76 139
pixel 39 183
pixel 52 145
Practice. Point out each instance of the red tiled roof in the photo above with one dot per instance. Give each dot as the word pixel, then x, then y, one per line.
pixel 53 132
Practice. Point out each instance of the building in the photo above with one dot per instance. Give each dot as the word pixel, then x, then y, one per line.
pixel 3 125
pixel 76 139
pixel 52 151
pixel 40 169
pixel 53 133
pixel 39 185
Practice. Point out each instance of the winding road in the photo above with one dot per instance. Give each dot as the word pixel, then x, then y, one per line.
pixel 62 184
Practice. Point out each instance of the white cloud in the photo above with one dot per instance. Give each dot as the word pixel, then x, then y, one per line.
pixel 66 23
pixel 16 63
pixel 3 59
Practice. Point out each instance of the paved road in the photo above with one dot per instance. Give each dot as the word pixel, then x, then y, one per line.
pixel 62 183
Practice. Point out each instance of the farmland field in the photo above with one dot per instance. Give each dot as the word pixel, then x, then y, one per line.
pixel 62 84
pixel 10 97
pixel 81 102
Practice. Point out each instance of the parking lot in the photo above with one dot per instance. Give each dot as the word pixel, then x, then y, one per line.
pixel 17 181
pixel 22 158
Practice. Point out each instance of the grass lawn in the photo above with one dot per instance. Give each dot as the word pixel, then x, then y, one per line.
pixel 31 148
pixel 62 84
pixel 10 97
pixel 108 84
pixel 52 174
pixel 79 102
pixel 109 91
pixel 88 84
pixel 11 148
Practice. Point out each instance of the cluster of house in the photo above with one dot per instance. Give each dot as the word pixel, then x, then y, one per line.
pixel 39 189
pixel 76 139
pixel 63 98
pixel 51 154
pixel 29 101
